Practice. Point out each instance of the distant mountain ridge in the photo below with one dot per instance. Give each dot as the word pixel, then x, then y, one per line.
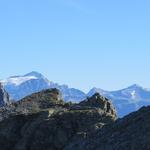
pixel 21 86
pixel 128 99
pixel 125 100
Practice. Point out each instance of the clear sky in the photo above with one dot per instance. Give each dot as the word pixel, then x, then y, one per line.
pixel 83 43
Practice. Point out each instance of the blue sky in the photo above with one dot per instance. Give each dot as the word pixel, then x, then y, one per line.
pixel 82 43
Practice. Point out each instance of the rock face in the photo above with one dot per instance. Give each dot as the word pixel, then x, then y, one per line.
pixel 100 102
pixel 43 100
pixel 130 133
pixel 43 121
pixel 125 100
pixel 4 97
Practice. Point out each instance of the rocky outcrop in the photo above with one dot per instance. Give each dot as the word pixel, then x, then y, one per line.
pixel 43 121
pixel 4 97
pixel 100 102
pixel 129 133
pixel 34 103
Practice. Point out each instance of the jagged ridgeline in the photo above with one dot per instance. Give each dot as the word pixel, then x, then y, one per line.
pixel 125 100
pixel 44 121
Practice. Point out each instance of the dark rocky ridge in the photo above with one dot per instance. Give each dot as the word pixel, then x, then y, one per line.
pixel 129 133
pixel 43 121
pixel 4 97
pixel 34 103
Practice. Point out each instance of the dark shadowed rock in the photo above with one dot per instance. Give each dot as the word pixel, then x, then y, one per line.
pixel 130 133
pixel 4 97
pixel 34 103
pixel 100 102
pixel 43 121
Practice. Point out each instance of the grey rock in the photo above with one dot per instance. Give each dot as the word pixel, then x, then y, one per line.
pixel 43 121
pixel 4 97
pixel 129 133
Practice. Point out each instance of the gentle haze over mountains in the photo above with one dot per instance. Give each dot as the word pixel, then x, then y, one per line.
pixel 81 43
pixel 74 74
pixel 125 100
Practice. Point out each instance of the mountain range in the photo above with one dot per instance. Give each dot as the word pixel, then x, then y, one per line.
pixel 125 100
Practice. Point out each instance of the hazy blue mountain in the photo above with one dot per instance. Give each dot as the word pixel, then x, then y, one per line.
pixel 21 86
pixel 125 100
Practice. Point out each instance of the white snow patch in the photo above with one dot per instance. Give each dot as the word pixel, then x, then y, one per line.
pixel 133 94
pixel 17 80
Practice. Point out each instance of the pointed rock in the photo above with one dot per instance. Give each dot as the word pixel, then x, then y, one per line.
pixel 99 102
pixel 4 97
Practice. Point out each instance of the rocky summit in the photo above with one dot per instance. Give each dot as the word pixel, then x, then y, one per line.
pixel 43 121
pixel 35 103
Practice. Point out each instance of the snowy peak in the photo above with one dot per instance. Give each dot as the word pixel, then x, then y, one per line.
pixel 125 100
pixel 20 86
pixel 135 87
pixel 138 88
pixel 17 80
pixel 35 74
pixel 135 92
pixel 96 90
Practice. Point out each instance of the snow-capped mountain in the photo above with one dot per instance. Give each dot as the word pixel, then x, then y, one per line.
pixel 125 100
pixel 21 86
pixel 97 90
pixel 71 94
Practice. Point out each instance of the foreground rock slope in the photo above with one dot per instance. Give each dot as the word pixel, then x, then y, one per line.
pixel 43 121
pixel 4 97
pixel 130 133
